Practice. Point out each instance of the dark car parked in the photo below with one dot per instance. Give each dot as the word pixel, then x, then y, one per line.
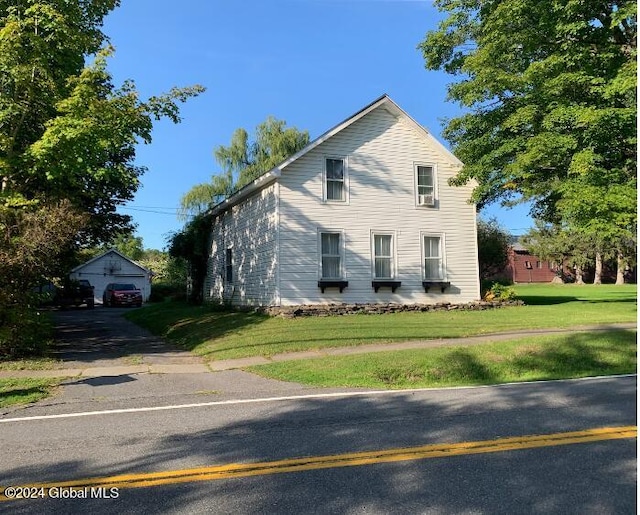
pixel 122 294
pixel 74 292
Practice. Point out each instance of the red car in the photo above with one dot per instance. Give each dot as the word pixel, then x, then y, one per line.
pixel 117 294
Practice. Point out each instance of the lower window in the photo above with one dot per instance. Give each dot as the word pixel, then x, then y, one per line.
pixel 433 257
pixel 383 265
pixel 331 255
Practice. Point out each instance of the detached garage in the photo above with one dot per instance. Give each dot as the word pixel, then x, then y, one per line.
pixel 113 267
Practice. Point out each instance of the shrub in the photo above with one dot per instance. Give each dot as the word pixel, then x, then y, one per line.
pixel 163 291
pixel 499 291
pixel 24 331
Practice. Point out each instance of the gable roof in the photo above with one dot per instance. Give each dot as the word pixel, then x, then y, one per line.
pixel 382 102
pixel 110 251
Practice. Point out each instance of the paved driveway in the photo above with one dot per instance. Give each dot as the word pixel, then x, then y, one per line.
pixel 102 337
pixel 114 364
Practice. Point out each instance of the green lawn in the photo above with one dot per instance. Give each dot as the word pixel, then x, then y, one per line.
pixel 26 390
pixel 218 334
pixel 539 358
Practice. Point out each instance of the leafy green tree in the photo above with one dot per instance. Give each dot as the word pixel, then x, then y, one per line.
pixel 550 242
pixel 191 244
pixel 30 239
pixel 129 245
pixel 66 132
pixel 67 141
pixel 244 161
pixel 562 244
pixel 493 248
pixel 549 89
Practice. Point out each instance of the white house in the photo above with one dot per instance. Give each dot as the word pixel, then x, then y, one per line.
pixel 113 267
pixel 363 214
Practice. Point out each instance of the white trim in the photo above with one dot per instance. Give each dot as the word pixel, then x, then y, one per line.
pixel 278 292
pixel 394 254
pixel 342 250
pixel 443 255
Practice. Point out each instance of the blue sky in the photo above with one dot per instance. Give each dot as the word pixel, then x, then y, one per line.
pixel 312 63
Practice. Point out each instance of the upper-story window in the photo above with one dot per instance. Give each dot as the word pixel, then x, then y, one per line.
pixel 335 179
pixel 425 185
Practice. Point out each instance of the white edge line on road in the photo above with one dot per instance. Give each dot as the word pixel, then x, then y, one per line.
pixel 295 398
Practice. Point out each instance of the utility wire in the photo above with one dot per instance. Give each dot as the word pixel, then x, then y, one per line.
pixel 173 210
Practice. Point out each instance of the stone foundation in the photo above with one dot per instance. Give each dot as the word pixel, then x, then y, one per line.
pixel 378 309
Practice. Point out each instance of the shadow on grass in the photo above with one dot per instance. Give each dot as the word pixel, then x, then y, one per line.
pixel 575 355
pixel 542 358
pixel 24 395
pixel 189 326
pixel 581 354
pixel 551 300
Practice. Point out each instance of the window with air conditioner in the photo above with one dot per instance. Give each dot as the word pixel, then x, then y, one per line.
pixel 425 186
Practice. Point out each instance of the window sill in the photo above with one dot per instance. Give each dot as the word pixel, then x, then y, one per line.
pixel 443 285
pixel 325 283
pixel 381 284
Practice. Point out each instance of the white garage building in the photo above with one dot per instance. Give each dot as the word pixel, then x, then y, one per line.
pixel 113 267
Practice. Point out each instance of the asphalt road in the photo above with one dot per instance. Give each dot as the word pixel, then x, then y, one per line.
pixel 597 477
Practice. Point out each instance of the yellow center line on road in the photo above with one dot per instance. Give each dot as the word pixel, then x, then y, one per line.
pixel 238 470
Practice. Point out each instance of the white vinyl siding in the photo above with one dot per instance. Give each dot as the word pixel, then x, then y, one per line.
pixel 383 256
pixel 276 236
pixel 247 234
pixel 382 154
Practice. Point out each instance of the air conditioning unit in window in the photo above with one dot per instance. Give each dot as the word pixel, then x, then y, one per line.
pixel 426 200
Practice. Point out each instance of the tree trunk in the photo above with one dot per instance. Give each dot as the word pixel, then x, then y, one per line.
pixel 579 279
pixel 621 266
pixel 597 278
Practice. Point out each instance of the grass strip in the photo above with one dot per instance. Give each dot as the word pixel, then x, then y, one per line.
pixel 15 391
pixel 30 364
pixel 528 359
pixel 218 334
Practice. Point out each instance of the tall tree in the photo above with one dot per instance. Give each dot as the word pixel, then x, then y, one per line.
pixel 67 143
pixel 244 161
pixel 549 89
pixel 493 248
pixel 66 132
